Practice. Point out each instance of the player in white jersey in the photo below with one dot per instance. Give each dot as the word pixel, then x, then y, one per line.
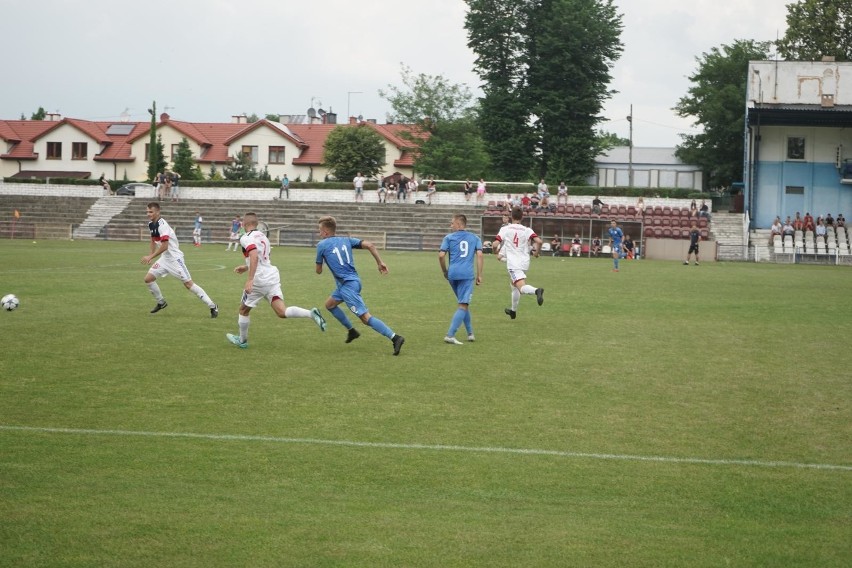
pixel 515 241
pixel 164 244
pixel 264 281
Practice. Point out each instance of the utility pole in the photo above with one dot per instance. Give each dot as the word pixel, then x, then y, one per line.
pixel 630 150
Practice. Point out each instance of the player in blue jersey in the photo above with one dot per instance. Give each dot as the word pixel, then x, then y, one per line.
pixel 615 237
pixel 336 252
pixel 465 251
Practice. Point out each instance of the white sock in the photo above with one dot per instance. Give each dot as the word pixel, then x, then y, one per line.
pixel 243 323
pixel 199 291
pixel 527 289
pixel 155 291
pixel 516 298
pixel 296 312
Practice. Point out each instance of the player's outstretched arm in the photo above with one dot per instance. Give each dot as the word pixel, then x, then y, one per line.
pixel 374 251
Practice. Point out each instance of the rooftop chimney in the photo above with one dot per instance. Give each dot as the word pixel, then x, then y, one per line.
pixel 164 117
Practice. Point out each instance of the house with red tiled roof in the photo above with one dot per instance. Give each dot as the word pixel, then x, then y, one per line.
pixel 86 149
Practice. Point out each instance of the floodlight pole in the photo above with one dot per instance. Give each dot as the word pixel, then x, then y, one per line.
pixel 630 150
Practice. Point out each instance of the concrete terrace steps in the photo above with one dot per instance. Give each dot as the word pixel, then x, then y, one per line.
pixel 403 226
pixel 727 230
pixel 99 215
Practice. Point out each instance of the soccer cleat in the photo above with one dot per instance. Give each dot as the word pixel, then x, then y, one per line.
pixel 696 263
pixel 615 270
pixel 318 319
pixel 235 339
pixel 452 341
pixel 159 306
pixel 539 296
pixel 686 263
pixel 214 312
pixel 352 335
pixel 471 338
pixel 398 340
pixel 510 313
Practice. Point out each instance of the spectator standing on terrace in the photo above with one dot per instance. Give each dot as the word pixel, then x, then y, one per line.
pixel 382 191
pixel 480 191
pixel 431 188
pixel 466 262
pixel 468 189
pixel 412 188
pixel 562 193
pixel 596 205
pixel 694 238
pixel 402 189
pixel 160 181
pixel 337 254
pixel 105 184
pixel 515 242
pixel 165 249
pixel 358 182
pixel 285 187
pixel 542 188
pixel 174 185
pixel 263 282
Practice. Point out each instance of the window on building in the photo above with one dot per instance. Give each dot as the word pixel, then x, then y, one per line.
pixel 276 154
pixel 794 190
pixel 250 151
pixel 79 150
pixel 796 148
pixel 54 150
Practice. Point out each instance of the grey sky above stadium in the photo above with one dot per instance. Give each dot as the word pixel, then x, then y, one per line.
pixel 205 60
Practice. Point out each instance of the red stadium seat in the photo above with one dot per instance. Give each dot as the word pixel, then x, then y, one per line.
pixel 667 232
pixel 649 232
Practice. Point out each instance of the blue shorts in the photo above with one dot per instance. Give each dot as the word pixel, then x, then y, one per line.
pixel 350 294
pixel 463 290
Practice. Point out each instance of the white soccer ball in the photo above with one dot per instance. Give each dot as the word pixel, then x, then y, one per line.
pixel 501 258
pixel 10 302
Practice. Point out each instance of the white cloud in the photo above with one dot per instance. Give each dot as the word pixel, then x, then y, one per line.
pixel 209 59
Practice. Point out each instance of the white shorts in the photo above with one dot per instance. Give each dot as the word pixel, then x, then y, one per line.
pixel 517 274
pixel 261 291
pixel 235 236
pixel 170 267
pixel 196 232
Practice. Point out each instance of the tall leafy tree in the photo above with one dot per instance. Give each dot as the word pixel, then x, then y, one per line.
pixel 607 140
pixel 184 162
pixel 152 145
pixel 816 28
pixel 497 35
pixel 452 146
pixel 545 66
pixel 40 114
pixel 353 149
pixel 455 150
pixel 716 101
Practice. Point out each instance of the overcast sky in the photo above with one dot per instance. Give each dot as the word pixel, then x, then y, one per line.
pixel 205 60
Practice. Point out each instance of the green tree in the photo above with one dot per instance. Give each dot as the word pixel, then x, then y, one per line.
pixel 571 47
pixel 497 35
pixel 273 117
pixel 353 149
pixel 607 140
pixel 152 145
pixel 545 67
pixel 40 114
pixel 452 146
pixel 214 174
pixel 816 28
pixel 716 101
pixel 455 150
pixel 184 162
pixel 241 168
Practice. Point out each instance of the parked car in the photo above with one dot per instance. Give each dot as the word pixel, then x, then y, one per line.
pixel 130 188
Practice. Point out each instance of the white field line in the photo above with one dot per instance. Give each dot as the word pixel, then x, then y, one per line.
pixel 428 447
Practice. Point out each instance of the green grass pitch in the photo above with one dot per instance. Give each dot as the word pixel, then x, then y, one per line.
pixel 666 415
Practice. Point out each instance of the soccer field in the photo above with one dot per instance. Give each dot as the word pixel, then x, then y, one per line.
pixel 665 415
